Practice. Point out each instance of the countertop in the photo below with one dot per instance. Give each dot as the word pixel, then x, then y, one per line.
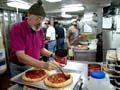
pixel 80 67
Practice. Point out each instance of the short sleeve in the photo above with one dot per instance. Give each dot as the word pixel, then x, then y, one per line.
pixel 16 38
pixel 48 33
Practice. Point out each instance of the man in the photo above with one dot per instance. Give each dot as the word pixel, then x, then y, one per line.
pixel 72 37
pixel 27 42
pixel 59 36
pixel 50 36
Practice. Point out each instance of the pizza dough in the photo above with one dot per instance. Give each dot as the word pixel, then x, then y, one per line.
pixel 58 80
pixel 35 75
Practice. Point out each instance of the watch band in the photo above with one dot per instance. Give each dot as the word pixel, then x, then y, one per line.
pixel 51 55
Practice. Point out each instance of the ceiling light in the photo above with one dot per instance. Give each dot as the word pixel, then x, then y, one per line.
pixel 73 5
pixel 19 4
pixel 89 15
pixel 65 15
pixel 52 1
pixel 72 9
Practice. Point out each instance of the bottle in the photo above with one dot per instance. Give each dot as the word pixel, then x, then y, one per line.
pixel 98 81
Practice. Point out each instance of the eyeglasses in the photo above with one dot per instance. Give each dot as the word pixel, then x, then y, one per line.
pixel 40 18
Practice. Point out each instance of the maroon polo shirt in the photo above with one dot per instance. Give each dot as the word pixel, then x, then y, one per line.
pixel 22 37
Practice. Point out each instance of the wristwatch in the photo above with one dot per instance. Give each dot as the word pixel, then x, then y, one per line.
pixel 51 55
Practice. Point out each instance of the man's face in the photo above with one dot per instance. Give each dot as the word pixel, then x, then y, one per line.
pixel 74 24
pixel 35 21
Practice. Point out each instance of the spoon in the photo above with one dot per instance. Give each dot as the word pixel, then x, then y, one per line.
pixel 60 69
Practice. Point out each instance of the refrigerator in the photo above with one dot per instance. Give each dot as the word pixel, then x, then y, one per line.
pixel 111 36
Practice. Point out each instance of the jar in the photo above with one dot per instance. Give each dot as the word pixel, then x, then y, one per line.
pixel 98 81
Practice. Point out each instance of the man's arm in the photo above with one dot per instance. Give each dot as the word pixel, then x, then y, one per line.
pixel 45 52
pixel 26 59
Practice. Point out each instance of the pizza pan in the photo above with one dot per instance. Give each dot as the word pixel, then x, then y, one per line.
pixel 40 84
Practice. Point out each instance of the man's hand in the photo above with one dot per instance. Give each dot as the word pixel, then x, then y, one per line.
pixel 51 65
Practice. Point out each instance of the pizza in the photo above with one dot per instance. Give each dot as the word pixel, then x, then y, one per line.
pixel 58 80
pixel 113 56
pixel 106 69
pixel 82 46
pixel 35 75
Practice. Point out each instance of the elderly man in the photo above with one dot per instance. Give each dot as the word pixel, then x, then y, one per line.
pixel 27 42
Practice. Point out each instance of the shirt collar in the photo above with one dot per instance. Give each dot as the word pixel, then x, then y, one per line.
pixel 28 26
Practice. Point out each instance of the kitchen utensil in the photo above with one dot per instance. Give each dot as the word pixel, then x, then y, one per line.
pixel 60 69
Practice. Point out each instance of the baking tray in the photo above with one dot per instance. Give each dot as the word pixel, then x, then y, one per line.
pixel 40 84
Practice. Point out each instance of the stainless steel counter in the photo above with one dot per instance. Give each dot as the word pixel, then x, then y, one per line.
pixel 76 71
pixel 86 55
pixel 74 67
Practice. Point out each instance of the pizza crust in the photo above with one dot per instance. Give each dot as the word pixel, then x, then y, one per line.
pixel 34 80
pixel 62 84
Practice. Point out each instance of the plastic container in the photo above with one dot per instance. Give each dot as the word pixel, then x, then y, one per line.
pixel 93 67
pixel 98 81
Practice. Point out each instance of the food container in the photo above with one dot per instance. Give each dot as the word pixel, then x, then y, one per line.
pixel 98 81
pixel 61 53
pixel 61 56
pixel 93 67
pixel 63 61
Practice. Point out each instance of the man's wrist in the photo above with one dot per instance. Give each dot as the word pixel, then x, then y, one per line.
pixel 52 55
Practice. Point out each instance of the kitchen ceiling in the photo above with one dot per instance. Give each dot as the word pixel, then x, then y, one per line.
pixel 54 9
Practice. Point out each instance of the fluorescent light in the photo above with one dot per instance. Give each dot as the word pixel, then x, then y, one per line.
pixel 52 1
pixel 65 15
pixel 19 4
pixel 73 5
pixel 72 9
pixel 89 15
